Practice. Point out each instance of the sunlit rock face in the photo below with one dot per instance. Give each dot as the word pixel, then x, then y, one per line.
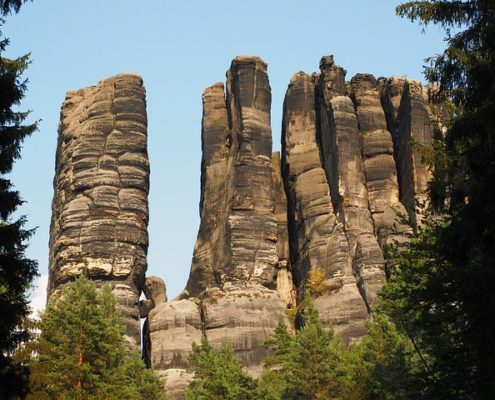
pixel 100 203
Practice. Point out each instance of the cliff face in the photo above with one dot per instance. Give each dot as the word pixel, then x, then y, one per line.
pixel 238 262
pixel 314 217
pixel 100 204
pixel 319 246
pixel 317 216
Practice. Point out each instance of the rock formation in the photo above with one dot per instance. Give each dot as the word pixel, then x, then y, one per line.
pixel 231 293
pixel 100 204
pixel 319 245
pixel 316 216
pixel 409 120
pixel 345 201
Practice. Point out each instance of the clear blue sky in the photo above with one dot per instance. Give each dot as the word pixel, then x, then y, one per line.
pixel 180 48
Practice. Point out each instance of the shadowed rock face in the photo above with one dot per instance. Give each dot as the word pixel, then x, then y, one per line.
pixel 238 233
pixel 340 167
pixel 342 160
pixel 100 206
pixel 377 151
pixel 411 124
pixel 285 282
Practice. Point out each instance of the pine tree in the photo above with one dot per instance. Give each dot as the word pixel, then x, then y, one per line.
pixel 80 353
pixel 390 363
pixel 304 366
pixel 16 271
pixel 280 345
pixel 218 375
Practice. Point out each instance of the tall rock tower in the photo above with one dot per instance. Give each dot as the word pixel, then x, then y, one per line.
pixel 231 293
pixel 100 203
pixel 353 174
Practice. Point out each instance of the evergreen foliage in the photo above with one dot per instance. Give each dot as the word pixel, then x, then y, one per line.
pixel 218 375
pixel 81 353
pixel 384 364
pixel 314 364
pixel 441 292
pixel 16 271
pixel 303 366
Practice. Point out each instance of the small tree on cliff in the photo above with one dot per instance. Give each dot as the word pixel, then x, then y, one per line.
pixel 80 353
pixel 16 271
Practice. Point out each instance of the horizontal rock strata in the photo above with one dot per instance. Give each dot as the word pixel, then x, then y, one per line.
pixel 100 206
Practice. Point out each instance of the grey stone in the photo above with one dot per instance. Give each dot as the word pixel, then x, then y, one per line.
pixel 319 245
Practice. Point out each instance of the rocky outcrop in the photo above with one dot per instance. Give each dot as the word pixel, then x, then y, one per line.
pixel 231 294
pixel 319 245
pixel 377 149
pixel 351 184
pixel 341 156
pixel 100 205
pixel 317 216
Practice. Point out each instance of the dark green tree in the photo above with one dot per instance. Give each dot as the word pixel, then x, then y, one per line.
pixel 303 366
pixel 280 344
pixel 81 354
pixel 218 375
pixel 441 294
pixel 16 271
pixel 385 364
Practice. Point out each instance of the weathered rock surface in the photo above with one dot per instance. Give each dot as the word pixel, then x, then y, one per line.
pixel 285 281
pixel 100 206
pixel 272 225
pixel 351 184
pixel 231 292
pixel 411 125
pixel 317 238
pixel 377 150
pixel 238 232
pixel 341 156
